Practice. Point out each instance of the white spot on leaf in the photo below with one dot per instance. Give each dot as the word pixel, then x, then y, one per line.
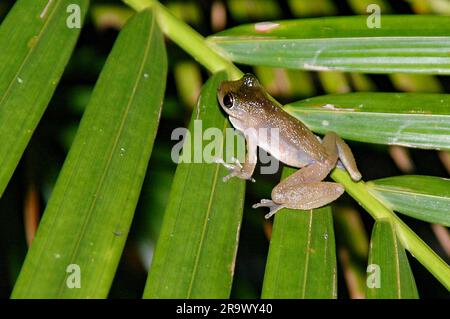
pixel 309 66
pixel 329 107
pixel 332 107
pixel 265 26
pixel 44 12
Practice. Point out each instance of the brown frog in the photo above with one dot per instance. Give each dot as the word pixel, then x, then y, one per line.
pixel 251 108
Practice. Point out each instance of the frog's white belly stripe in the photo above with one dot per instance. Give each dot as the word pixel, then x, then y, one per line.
pixel 285 153
pixel 282 151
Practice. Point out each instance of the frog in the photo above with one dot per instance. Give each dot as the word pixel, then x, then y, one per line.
pixel 249 108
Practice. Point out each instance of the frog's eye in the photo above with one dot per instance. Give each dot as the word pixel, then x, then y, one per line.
pixel 228 100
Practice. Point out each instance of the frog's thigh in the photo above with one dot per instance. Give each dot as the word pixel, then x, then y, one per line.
pixel 309 174
pixel 304 189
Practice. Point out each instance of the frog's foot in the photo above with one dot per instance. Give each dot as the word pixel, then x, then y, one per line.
pixel 274 207
pixel 234 169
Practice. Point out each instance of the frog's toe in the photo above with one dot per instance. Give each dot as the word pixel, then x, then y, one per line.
pixel 236 171
pixel 274 207
pixel 236 162
pixel 229 176
pixel 355 175
pixel 218 160
pixel 264 203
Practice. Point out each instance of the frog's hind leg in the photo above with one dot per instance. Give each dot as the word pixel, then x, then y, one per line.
pixel 334 143
pixel 274 207
pixel 304 189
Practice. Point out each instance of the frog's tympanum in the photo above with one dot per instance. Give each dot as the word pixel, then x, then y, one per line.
pixel 250 108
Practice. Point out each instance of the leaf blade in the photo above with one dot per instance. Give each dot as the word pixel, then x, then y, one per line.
pixel 30 71
pixel 415 44
pixel 419 120
pixel 423 197
pixel 90 211
pixel 395 277
pixel 195 252
pixel 302 258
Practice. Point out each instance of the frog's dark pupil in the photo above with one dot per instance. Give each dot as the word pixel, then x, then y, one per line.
pixel 228 100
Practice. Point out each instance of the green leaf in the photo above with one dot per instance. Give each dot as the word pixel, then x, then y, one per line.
pixel 389 274
pixel 302 258
pixel 418 44
pixel 423 197
pixel 32 60
pixel 87 219
pixel 407 119
pixel 196 249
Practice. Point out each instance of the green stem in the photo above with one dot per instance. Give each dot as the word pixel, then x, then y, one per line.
pixel 187 38
pixel 194 44
pixel 413 243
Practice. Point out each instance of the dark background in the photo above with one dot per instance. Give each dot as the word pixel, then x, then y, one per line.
pixel 46 152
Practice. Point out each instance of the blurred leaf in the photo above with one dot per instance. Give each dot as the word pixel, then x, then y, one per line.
pixel 352 233
pixel 413 44
pixel 304 8
pixel 352 248
pixel 407 119
pixel 187 11
pixel 301 82
pixel 87 219
pixel 30 69
pixel 423 197
pixel 302 258
pixel 110 16
pixel 389 274
pixel 416 83
pixel 362 82
pixel 361 6
pixel 254 9
pixel 430 6
pixel 334 82
pixel 285 83
pixel 196 249
pixel 188 81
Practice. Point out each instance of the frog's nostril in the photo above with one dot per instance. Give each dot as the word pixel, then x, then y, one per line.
pixel 228 100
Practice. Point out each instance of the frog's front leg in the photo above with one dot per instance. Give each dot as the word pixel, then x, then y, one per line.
pixel 244 171
pixel 304 189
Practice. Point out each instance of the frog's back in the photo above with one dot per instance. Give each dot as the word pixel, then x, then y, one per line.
pixel 297 145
